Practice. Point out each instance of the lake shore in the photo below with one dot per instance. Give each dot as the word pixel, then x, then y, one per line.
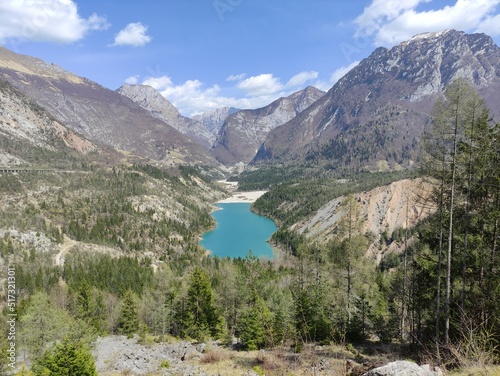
pixel 242 197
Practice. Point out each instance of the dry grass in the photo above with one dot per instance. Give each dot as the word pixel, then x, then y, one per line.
pixel 486 371
pixel 215 356
pixel 281 361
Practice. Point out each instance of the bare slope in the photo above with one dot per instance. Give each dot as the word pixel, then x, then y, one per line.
pixel 30 137
pixel 100 114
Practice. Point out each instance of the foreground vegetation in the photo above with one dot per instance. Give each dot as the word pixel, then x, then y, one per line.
pixel 133 266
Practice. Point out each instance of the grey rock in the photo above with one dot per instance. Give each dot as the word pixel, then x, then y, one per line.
pixel 404 368
pixel 121 354
pixel 213 120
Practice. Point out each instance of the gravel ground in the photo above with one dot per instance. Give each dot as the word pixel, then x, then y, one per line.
pixel 119 355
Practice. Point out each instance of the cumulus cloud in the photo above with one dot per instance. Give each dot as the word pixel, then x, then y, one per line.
pixel 55 21
pixel 263 84
pixel 490 25
pixel 194 97
pixel 389 22
pixel 132 80
pixel 190 97
pixel 134 34
pixel 301 78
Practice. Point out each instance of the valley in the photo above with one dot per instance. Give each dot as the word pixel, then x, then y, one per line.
pixel 380 199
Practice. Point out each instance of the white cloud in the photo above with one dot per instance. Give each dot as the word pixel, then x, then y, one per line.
pixel 236 77
pixel 55 21
pixel 382 11
pixel 341 72
pixel 132 80
pixel 96 22
pixel 263 84
pixel 392 21
pixel 134 34
pixel 194 97
pixel 159 83
pixel 301 78
pixel 490 25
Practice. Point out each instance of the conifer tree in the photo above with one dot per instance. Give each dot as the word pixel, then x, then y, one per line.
pixel 201 318
pixel 66 359
pixel 128 323
pixel 256 326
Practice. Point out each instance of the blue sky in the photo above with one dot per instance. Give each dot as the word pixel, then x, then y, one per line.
pixel 205 54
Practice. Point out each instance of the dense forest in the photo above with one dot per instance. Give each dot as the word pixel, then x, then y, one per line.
pixel 437 299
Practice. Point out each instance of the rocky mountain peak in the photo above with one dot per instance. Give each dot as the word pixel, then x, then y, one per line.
pixel 158 106
pixel 389 97
pixel 244 131
pixel 213 120
pixel 150 99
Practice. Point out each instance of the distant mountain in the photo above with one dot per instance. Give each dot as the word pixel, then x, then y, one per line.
pixel 374 116
pixel 158 106
pixel 99 114
pixel 244 131
pixel 213 120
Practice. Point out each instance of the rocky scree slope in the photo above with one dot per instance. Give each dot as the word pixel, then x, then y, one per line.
pixel 30 137
pixel 381 210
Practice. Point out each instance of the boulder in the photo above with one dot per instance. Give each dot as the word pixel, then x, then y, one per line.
pixel 404 368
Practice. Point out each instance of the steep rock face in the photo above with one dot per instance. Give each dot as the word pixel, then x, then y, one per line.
pixel 244 131
pixel 379 109
pixel 213 120
pixel 99 114
pixel 159 107
pixel 384 209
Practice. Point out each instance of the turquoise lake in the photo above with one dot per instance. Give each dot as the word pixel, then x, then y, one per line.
pixel 238 231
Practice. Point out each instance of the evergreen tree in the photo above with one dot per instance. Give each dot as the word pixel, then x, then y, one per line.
pixel 460 154
pixel 256 326
pixel 42 323
pixel 128 323
pixel 200 316
pixel 66 359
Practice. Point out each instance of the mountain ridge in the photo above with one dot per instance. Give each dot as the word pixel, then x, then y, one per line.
pixel 98 113
pixel 244 131
pixel 405 81
pixel 159 107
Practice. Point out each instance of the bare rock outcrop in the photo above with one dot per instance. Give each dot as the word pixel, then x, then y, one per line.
pixel 404 368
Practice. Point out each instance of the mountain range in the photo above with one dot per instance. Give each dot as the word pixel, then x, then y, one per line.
pixel 159 107
pixel 374 116
pixel 244 131
pixel 101 115
pixel 371 119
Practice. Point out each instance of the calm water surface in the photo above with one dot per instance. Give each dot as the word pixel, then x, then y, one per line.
pixel 238 231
